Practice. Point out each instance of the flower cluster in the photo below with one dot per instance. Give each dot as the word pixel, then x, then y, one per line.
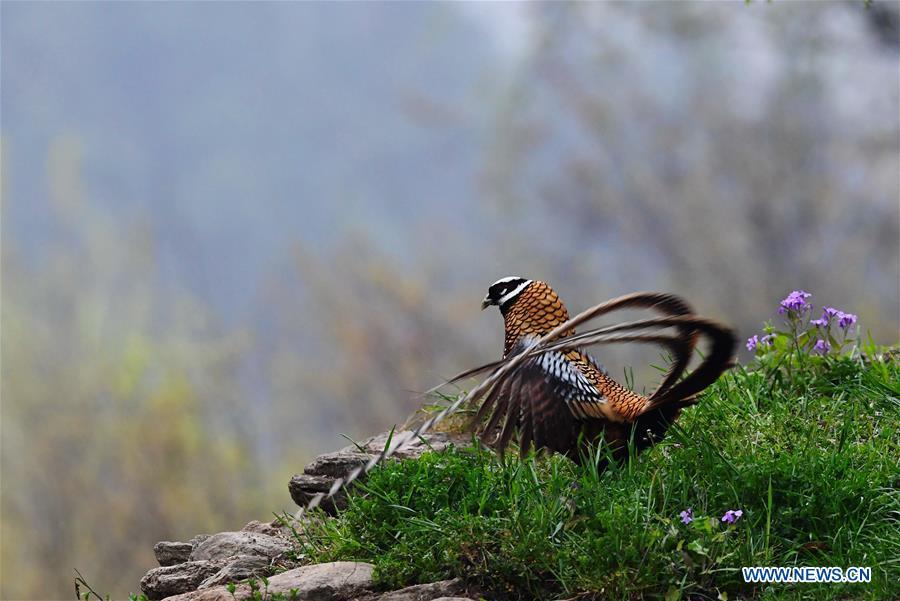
pixel 802 333
pixel 755 341
pixel 830 314
pixel 795 302
pixel 845 320
pixel 730 517
pixel 821 347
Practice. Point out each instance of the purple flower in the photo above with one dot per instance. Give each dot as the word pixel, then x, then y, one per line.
pixel 845 320
pixel 828 313
pixel 752 342
pixel 795 301
pixel 821 347
pixel 687 516
pixel 755 341
pixel 732 515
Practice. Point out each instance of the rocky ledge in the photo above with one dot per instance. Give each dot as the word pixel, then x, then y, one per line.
pixel 202 568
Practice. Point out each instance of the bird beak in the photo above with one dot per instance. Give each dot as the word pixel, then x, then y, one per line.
pixel 486 303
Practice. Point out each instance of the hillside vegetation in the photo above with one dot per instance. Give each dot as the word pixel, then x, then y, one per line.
pixel 790 461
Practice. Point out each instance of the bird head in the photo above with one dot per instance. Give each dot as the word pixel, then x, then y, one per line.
pixel 504 291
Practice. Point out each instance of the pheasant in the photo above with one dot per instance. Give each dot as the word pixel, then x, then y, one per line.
pixel 554 396
pixel 559 398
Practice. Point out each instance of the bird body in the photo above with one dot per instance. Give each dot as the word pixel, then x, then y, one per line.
pixel 561 399
pixel 533 313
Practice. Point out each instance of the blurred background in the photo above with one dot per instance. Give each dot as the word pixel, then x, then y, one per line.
pixel 233 232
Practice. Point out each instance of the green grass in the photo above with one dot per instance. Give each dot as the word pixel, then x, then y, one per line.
pixel 807 448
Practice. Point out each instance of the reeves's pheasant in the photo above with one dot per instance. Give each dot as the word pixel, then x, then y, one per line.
pixel 558 397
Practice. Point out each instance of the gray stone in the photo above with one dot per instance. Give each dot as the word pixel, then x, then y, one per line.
pixel 172 553
pixel 336 465
pixel 318 476
pixel 268 528
pixel 426 592
pixel 239 568
pixel 338 581
pixel 230 556
pixel 229 544
pixel 303 487
pixel 162 582
pixel 198 539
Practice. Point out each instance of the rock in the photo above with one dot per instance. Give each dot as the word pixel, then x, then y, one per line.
pixel 319 475
pixel 304 487
pixel 224 558
pixel 213 560
pixel 336 465
pixel 172 553
pixel 239 568
pixel 268 528
pixel 198 539
pixel 229 544
pixel 454 599
pixel 427 592
pixel 162 582
pixel 338 581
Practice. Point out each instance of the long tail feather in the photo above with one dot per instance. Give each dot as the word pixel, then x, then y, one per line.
pixel 497 402
pixel 718 359
pixel 512 417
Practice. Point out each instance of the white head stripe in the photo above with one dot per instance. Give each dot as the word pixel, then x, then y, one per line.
pixel 508 278
pixel 513 293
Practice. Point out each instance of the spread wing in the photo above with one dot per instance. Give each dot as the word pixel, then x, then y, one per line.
pixel 550 391
pixel 542 401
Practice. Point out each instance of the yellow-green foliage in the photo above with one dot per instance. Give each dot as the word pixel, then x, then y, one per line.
pixel 116 414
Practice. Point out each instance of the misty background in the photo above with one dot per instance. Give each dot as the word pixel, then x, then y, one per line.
pixel 232 232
